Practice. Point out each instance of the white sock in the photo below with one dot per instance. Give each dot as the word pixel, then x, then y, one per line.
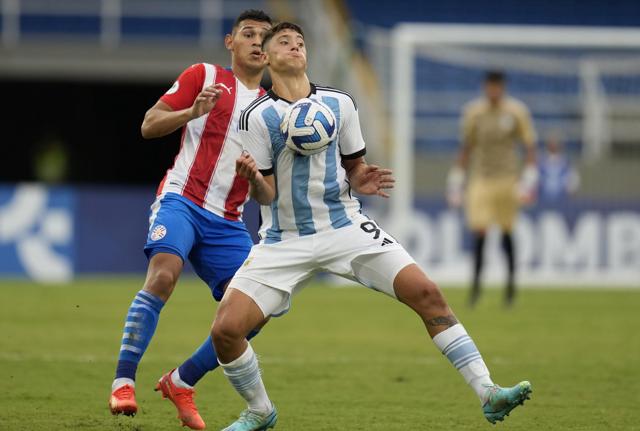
pixel 175 378
pixel 463 354
pixel 120 382
pixel 244 375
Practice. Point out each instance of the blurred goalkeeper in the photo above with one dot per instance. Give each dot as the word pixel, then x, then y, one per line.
pixel 488 165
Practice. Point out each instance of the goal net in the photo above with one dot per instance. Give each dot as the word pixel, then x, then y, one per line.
pixel 582 84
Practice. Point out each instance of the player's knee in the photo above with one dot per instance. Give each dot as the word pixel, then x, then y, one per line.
pixel 219 336
pixel 225 334
pixel 161 283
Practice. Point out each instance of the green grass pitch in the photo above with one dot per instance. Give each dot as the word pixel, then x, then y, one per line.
pixel 342 359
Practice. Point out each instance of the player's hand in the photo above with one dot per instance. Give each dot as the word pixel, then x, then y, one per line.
pixel 455 186
pixel 528 185
pixel 375 180
pixel 246 167
pixel 206 100
pixel 527 197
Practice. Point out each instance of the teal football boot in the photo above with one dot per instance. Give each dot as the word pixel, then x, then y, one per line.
pixel 502 400
pixel 252 421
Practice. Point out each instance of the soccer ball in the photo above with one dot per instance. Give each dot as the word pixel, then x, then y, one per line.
pixel 308 127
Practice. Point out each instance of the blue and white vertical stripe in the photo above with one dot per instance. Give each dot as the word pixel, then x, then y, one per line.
pixel 461 351
pixel 312 192
pixel 270 217
pixel 332 190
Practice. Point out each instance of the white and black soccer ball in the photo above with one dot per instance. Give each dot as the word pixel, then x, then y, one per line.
pixel 308 127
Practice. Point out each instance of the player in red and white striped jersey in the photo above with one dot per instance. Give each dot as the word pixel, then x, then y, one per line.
pixel 204 169
pixel 198 209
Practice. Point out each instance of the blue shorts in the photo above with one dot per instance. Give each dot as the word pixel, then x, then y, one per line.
pixel 216 247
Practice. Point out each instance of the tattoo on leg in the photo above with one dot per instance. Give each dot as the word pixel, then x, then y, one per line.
pixel 447 321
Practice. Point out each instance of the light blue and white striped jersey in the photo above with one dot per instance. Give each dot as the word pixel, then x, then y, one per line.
pixel 312 192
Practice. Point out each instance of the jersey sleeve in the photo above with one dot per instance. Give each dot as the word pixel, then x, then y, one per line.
pixel 526 131
pixel 256 141
pixel 351 141
pixel 184 91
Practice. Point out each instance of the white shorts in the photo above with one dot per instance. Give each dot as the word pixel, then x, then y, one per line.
pixel 360 252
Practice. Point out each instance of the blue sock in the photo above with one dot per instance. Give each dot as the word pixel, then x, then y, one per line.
pixel 202 361
pixel 139 328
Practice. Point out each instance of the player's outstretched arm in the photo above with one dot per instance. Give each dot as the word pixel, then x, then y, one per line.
pixel 262 186
pixel 162 120
pixel 368 179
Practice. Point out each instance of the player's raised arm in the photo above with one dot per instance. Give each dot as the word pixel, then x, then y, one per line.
pixel 184 101
pixel 161 120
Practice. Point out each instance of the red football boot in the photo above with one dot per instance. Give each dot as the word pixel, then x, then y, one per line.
pixel 123 401
pixel 183 400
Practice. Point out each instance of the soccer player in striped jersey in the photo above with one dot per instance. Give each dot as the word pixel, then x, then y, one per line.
pixel 313 223
pixel 198 208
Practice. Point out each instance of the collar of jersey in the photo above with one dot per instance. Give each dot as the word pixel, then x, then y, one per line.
pixel 274 96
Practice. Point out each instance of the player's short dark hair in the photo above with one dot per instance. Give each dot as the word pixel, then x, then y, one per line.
pixel 495 77
pixel 254 15
pixel 285 25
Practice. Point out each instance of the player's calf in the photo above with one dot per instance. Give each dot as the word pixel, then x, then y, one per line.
pixel 422 295
pixel 428 300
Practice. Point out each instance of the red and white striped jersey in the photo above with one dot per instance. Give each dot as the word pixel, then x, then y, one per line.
pixel 204 170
